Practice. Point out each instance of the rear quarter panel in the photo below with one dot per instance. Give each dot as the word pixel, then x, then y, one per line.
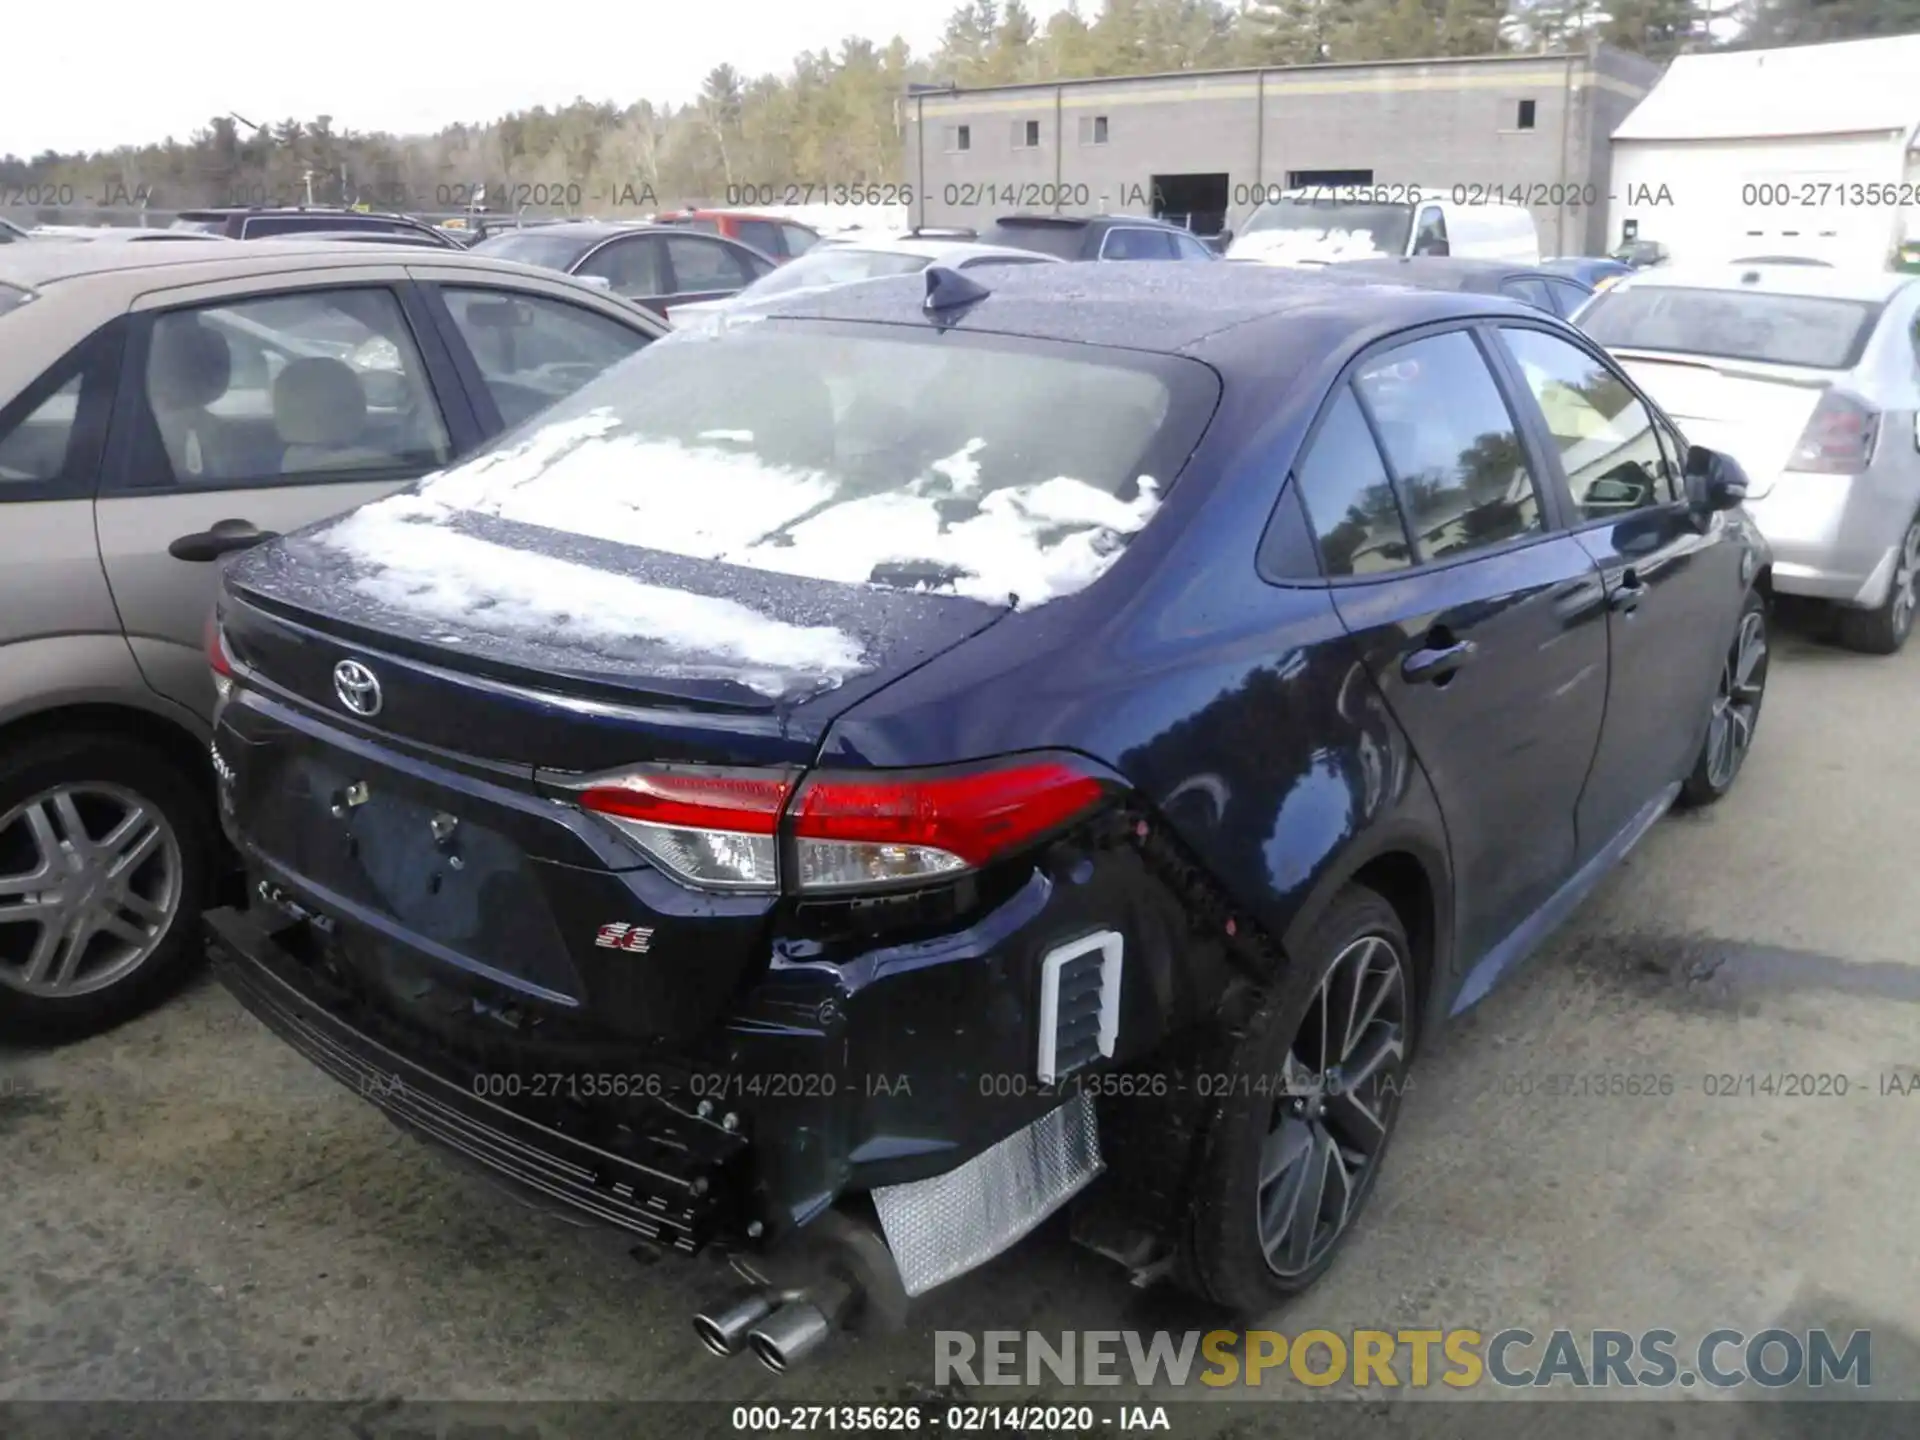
pixel 1239 709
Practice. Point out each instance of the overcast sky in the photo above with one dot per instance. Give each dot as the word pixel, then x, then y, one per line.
pixel 92 75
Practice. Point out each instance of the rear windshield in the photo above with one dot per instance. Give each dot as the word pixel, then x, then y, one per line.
pixel 532 247
pixel 12 297
pixel 1063 241
pixel 857 454
pixel 201 224
pixel 1813 331
pixel 1363 227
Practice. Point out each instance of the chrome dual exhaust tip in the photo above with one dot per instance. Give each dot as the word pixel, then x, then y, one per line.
pixel 779 1327
pixel 724 1328
pixel 789 1335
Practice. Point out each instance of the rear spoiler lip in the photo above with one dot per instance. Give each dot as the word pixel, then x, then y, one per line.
pixel 1733 370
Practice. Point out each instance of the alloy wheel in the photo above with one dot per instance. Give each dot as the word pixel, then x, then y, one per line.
pixel 1736 707
pixel 1904 580
pixel 1341 1095
pixel 90 885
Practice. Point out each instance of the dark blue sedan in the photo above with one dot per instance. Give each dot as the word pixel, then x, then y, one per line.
pixel 840 787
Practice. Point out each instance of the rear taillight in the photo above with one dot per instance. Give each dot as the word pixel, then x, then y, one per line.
pixel 1839 436
pixel 713 828
pixel 218 659
pixel 852 830
pixel 847 830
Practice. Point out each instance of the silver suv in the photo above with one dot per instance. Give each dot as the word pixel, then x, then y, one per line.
pixel 161 406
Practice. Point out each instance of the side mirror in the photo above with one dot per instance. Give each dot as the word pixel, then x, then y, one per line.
pixel 598 282
pixel 1715 480
pixel 1223 239
pixel 1433 245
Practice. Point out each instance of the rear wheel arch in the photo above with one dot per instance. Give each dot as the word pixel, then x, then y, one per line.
pixel 1401 879
pixel 1413 877
pixel 127 722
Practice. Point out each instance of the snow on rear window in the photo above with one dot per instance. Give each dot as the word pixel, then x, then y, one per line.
pixel 434 572
pixel 992 473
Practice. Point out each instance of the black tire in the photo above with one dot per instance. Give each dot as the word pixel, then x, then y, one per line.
pixel 129 767
pixel 1736 709
pixel 1225 1257
pixel 1884 629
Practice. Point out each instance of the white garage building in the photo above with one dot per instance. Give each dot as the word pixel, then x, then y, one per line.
pixel 1803 151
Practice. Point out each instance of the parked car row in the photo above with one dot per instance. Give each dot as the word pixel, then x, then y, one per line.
pixel 751 710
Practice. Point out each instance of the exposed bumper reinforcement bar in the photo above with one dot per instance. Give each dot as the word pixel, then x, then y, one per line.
pixel 548 1167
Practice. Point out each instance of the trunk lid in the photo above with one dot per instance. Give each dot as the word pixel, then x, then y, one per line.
pixel 1755 413
pixel 525 647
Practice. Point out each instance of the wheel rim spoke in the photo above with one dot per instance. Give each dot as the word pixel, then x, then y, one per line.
pixel 1303 1222
pixel 73 830
pixel 44 950
pixel 133 855
pixel 147 912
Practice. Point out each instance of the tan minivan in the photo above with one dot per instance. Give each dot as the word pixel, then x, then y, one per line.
pixel 161 406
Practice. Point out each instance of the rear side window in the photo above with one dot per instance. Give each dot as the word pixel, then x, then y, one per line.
pixel 1430 233
pixel 1132 243
pixel 533 350
pixel 50 436
pixel 762 235
pixel 1814 331
pixel 1349 499
pixel 700 265
pixel 635 268
pixel 1528 292
pixel 1566 298
pixel 1450 443
pixel 799 239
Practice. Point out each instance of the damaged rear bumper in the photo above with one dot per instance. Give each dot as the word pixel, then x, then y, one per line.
pixel 669 1193
pixel 689 1157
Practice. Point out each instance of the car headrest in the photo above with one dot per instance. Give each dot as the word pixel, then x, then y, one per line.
pixel 319 401
pixel 188 365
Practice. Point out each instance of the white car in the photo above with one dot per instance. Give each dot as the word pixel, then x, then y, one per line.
pixel 1325 225
pixel 1810 377
pixel 844 262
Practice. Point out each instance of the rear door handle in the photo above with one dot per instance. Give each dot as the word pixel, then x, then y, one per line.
pixel 1628 594
pixel 226 536
pixel 1435 665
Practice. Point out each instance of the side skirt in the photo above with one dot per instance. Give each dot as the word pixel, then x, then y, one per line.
pixel 1527 936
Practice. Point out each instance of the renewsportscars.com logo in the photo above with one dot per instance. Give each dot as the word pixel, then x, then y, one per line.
pixel 1407 1359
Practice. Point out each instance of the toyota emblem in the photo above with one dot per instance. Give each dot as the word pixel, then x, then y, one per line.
pixel 357 687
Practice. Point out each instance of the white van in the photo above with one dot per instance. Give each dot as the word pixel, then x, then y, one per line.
pixel 1321 225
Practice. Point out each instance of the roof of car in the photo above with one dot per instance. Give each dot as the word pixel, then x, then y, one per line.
pixel 1460 272
pixel 590 229
pixel 344 211
pixel 52 261
pixel 935 248
pixel 1872 286
pixel 1168 305
pixel 703 212
pixel 1066 221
